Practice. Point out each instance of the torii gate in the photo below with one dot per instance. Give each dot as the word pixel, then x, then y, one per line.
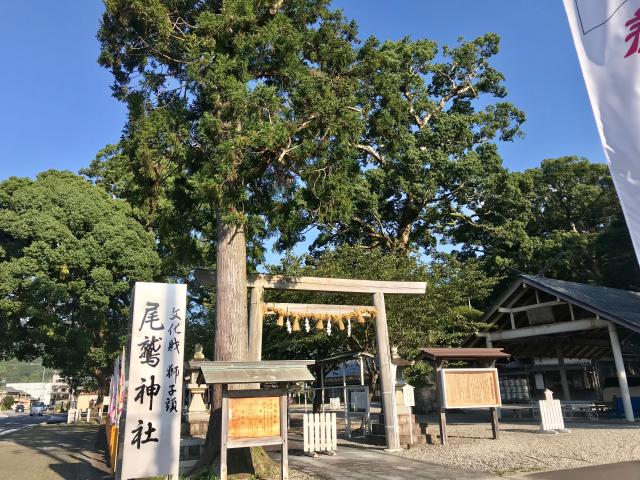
pixel 258 283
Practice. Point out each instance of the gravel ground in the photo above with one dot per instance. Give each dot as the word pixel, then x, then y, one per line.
pixel 522 449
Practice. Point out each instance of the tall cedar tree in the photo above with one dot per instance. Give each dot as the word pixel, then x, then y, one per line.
pixel 238 112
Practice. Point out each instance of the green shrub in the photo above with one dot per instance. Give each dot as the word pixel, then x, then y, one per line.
pixel 7 402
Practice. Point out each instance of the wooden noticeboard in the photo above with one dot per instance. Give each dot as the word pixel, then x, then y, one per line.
pixel 470 388
pixel 254 417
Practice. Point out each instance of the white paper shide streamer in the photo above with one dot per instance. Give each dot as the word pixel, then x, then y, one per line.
pixel 606 34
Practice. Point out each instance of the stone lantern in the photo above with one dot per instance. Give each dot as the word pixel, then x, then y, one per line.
pixel 411 432
pixel 198 413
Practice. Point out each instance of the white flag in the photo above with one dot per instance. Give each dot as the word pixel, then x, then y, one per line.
pixel 606 34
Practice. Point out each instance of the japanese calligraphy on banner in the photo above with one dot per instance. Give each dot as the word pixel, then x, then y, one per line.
pixel 606 34
pixel 154 393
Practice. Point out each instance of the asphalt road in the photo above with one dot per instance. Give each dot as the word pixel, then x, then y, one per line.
pixel 12 422
pixel 617 471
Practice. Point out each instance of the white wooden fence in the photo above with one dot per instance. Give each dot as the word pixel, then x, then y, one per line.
pixel 73 415
pixel 551 415
pixel 319 432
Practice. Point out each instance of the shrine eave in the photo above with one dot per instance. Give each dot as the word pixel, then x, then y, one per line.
pixel 269 371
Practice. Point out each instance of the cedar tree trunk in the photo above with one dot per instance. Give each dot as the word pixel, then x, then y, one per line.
pixel 231 338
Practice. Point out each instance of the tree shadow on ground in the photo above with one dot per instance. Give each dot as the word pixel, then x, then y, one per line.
pixel 76 451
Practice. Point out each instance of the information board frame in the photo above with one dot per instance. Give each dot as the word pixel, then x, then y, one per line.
pixel 281 439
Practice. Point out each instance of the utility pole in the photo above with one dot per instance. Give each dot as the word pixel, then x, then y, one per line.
pixel 44 369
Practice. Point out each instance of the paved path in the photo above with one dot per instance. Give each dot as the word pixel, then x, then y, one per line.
pixel 53 452
pixel 612 471
pixel 354 462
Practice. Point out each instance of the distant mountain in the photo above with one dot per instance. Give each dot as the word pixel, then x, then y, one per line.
pixel 14 371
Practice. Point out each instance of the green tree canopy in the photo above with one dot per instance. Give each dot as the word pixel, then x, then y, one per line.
pixel 428 156
pixel 69 254
pixel 566 205
pixel 237 112
pixel 444 315
pixel 7 402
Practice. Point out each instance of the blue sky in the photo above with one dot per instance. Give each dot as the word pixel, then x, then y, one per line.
pixel 57 109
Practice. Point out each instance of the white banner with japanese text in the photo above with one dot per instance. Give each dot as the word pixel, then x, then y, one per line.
pixel 151 445
pixel 606 34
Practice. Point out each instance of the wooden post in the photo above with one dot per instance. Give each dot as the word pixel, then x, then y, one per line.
pixel 322 388
pixel 255 324
pixel 284 457
pixel 442 412
pixel 304 388
pixel 566 395
pixel 224 433
pixel 346 406
pixel 386 382
pixel 622 375
pixel 494 423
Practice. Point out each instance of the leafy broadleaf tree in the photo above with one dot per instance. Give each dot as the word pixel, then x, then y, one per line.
pixel 69 254
pixel 567 205
pixel 7 402
pixel 249 118
pixel 428 154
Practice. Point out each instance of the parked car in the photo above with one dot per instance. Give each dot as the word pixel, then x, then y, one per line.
pixel 37 408
pixel 19 408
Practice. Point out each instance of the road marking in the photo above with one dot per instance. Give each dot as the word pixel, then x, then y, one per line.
pixel 11 430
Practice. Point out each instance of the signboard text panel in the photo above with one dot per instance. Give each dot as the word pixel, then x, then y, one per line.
pixel 254 417
pixel 471 388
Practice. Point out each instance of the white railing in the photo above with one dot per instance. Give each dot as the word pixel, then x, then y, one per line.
pixel 551 415
pixel 319 433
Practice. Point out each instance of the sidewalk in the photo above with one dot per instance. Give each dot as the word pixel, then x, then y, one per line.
pixel 54 452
